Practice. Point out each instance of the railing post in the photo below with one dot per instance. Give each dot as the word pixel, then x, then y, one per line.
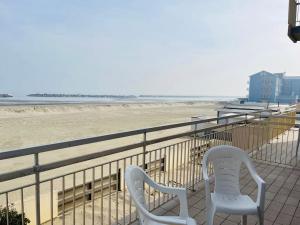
pixel 144 150
pixel 37 189
pixel 225 134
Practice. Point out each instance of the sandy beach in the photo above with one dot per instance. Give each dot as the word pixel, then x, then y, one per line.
pixel 33 125
pixel 24 126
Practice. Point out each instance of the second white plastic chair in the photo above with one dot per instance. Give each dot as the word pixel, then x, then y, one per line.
pixel 135 178
pixel 226 198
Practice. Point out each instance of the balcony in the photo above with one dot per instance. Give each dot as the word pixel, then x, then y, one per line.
pixel 88 187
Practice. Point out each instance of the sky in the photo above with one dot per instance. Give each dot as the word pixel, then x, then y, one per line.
pixel 165 47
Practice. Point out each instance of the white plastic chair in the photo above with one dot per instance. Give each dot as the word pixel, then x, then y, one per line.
pixel 135 178
pixel 226 198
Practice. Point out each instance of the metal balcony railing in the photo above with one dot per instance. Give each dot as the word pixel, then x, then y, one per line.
pixel 294 20
pixel 88 187
pixel 297 12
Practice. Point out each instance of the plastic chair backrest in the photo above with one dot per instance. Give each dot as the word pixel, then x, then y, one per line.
pixel 226 161
pixel 135 178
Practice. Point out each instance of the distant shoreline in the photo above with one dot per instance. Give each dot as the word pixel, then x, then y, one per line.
pixel 121 96
pixel 62 103
pixel 80 96
pixel 108 100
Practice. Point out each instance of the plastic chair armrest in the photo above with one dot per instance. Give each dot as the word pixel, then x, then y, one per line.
pixel 261 193
pixel 261 184
pixel 181 193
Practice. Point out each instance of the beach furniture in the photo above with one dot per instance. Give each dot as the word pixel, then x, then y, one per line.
pixel 226 198
pixel 135 178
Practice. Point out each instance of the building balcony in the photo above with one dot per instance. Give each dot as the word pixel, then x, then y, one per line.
pixel 294 20
pixel 88 186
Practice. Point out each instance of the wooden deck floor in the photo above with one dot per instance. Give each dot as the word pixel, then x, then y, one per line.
pixel 282 198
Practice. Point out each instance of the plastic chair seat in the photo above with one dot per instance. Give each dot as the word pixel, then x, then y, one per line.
pixel 234 204
pixel 226 163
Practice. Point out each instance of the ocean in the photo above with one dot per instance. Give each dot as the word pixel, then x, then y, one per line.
pixel 28 100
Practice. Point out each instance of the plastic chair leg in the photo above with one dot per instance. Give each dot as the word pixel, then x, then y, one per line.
pixel 244 219
pixel 260 217
pixel 210 216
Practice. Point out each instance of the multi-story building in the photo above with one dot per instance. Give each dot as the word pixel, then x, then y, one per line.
pixel 274 87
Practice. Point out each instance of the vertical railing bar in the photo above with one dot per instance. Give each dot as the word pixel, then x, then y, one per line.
pixel 225 133
pixel 177 163
pixel 180 167
pixel 124 194
pixel 297 148
pixel 137 163
pixel 199 148
pixel 109 196
pixel 117 194
pixel 93 196
pixel 159 174
pixel 249 138
pixel 51 201
pixel 281 144
pixel 130 201
pixel 257 141
pixel 155 168
pixel 253 140
pixel 287 145
pixel 102 218
pixel 219 137
pixel 144 150
pixel 37 189
pixel 173 166
pixel 22 205
pixel 262 141
pixel 7 208
pixel 245 134
pixel 190 162
pixel 165 169
pixel 277 138
pixel 74 186
pixel 84 196
pixel 194 163
pixel 200 144
pixel 267 139
pixel 293 145
pixel 184 166
pixel 272 141
pixel 197 159
pixel 149 173
pixel 169 167
pixel 187 153
pixel 63 200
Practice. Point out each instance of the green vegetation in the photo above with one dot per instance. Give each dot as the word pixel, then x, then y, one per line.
pixel 14 217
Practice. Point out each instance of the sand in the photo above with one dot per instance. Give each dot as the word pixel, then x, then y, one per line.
pixel 28 125
pixel 23 126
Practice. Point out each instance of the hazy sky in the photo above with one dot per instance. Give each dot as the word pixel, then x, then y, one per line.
pixel 142 47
